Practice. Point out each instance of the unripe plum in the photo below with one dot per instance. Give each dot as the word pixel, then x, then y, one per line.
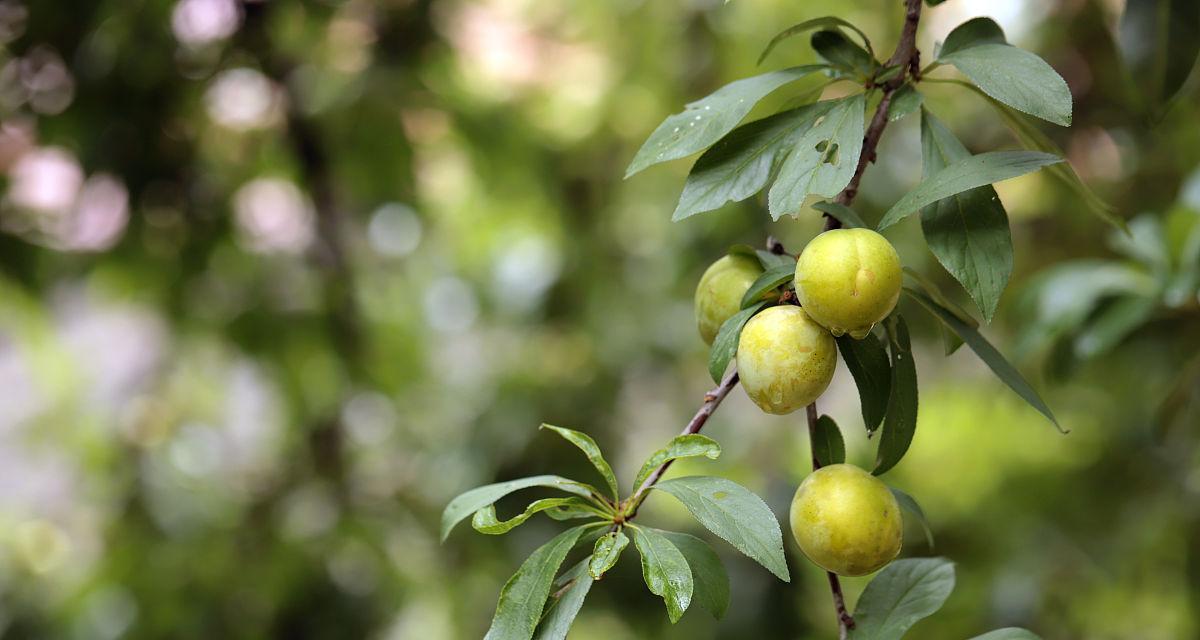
pixel 719 294
pixel 848 279
pixel 785 360
pixel 846 520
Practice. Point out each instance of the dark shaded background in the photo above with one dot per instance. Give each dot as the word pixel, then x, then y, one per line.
pixel 279 279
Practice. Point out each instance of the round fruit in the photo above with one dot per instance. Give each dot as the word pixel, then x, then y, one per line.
pixel 719 294
pixel 846 520
pixel 785 360
pixel 848 279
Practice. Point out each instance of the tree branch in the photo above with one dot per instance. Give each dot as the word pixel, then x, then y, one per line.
pixel 908 58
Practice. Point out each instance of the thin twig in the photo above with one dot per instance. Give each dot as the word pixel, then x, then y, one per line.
pixel 712 400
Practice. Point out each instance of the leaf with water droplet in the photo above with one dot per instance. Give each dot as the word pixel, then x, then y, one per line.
pixel 726 108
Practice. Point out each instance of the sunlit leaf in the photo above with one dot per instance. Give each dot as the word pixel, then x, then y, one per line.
pixel 705 121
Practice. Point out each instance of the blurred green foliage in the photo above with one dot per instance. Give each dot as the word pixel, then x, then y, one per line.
pixel 279 279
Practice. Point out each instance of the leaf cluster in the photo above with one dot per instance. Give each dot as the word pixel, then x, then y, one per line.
pixel 541 600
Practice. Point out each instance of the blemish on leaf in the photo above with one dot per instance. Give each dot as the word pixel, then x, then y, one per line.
pixel 720 495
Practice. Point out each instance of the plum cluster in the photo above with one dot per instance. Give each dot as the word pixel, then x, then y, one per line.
pixel 847 280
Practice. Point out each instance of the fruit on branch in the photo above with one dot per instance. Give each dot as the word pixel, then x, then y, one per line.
pixel 848 279
pixel 846 520
pixel 785 360
pixel 719 294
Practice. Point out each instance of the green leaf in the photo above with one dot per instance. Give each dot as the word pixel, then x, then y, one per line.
pixel 835 48
pixel 735 514
pixel 900 423
pixel 967 232
pixel 968 173
pixel 480 497
pixel 1159 42
pixel 665 569
pixel 843 214
pixel 571 588
pixel 770 260
pixel 1017 78
pixel 827 444
pixel 485 520
pixel 868 363
pixel 691 445
pixel 1033 138
pixel 607 552
pixel 1113 324
pixel 905 101
pixel 986 352
pixel 1009 633
pixel 973 32
pixel 824 157
pixel 524 595
pixel 770 280
pixel 809 25
pixel 724 346
pixel 903 593
pixel 933 291
pixel 705 121
pixel 710 582
pixel 573 509
pixel 909 504
pixel 742 163
pixel 589 449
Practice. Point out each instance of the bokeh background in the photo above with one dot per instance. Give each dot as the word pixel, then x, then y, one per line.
pixel 279 279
